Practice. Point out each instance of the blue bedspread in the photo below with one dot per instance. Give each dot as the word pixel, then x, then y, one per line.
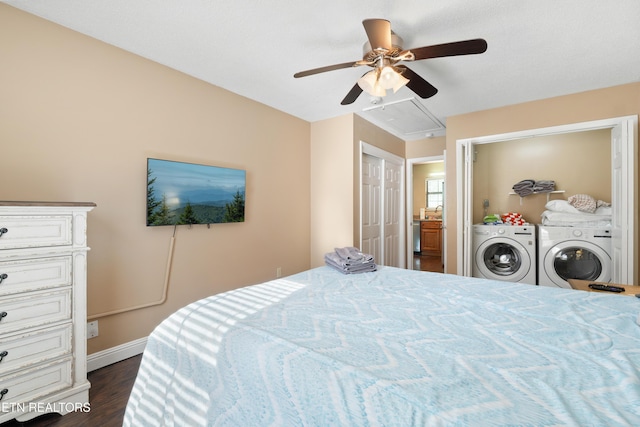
pixel 393 348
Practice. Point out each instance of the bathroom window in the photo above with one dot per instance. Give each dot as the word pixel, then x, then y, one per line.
pixel 435 192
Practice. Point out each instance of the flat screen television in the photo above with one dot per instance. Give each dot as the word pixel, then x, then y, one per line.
pixel 188 193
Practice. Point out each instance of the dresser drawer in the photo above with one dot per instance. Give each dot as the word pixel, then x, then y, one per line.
pixel 35 231
pixel 24 350
pixel 32 384
pixel 34 309
pixel 34 274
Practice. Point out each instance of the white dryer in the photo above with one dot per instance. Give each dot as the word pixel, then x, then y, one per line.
pixel 505 252
pixel 573 253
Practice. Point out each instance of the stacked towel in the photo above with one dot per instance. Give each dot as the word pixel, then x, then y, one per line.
pixel 492 219
pixel 350 260
pixel 544 186
pixel 524 187
pixel 530 186
pixel 513 218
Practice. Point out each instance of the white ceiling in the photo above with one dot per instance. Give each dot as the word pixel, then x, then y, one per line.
pixel 537 48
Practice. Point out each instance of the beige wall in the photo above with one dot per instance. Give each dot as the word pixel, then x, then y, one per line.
pixel 427 147
pixel 335 178
pixel 606 103
pixel 579 163
pixel 78 119
pixel 332 159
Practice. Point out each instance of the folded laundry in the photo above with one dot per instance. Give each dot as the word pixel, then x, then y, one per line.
pixel 530 186
pixel 544 186
pixel 524 187
pixel 524 191
pixel 350 260
pixel 351 253
pixel 525 183
pixel 491 219
pixel 513 218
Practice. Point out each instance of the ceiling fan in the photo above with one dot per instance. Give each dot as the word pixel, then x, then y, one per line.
pixel 383 52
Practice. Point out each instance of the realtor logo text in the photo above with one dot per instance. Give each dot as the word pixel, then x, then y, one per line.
pixel 41 407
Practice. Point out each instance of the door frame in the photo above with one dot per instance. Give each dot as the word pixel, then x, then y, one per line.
pixel 409 232
pixel 386 156
pixel 625 208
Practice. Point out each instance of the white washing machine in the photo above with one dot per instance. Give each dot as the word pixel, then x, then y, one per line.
pixel 573 253
pixel 505 252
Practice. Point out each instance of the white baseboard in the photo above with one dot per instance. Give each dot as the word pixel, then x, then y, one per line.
pixel 115 354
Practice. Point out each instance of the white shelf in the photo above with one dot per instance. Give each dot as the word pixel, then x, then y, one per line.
pixel 536 192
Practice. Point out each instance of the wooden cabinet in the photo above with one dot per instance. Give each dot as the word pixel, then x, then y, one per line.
pixel 431 237
pixel 43 314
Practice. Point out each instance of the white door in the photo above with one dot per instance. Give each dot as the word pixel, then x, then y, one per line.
pixel 392 200
pixel 623 190
pixel 464 177
pixel 382 206
pixel 371 206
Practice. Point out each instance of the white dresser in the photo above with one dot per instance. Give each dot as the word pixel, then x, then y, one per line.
pixel 43 311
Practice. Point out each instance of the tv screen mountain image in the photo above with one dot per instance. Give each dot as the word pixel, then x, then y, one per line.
pixel 189 193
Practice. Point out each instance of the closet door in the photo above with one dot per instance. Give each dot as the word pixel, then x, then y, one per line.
pixel 392 203
pixel 372 206
pixel 623 190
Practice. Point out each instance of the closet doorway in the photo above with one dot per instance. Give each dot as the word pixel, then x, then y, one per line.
pixel 623 178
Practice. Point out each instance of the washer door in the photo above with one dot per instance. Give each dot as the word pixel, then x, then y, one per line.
pixel 503 259
pixel 577 260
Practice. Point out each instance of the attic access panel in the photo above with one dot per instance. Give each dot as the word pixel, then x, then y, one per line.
pixel 407 117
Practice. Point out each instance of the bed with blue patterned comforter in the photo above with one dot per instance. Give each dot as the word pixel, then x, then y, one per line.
pixel 393 348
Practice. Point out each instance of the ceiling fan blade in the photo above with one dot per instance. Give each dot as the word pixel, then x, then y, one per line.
pixel 378 33
pixel 465 47
pixel 420 86
pixel 327 68
pixel 353 94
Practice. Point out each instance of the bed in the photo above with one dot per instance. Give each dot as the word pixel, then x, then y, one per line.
pixel 393 348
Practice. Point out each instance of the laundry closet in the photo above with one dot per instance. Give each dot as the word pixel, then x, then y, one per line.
pixel 579 163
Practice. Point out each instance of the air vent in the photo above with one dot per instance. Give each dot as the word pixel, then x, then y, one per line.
pixel 407 117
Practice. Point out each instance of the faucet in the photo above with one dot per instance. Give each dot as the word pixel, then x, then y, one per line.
pixel 439 206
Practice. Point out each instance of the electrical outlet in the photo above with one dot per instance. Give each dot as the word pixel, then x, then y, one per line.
pixel 92 329
pixel 485 203
pixel 278 272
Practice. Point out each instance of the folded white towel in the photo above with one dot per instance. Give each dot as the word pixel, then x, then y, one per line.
pixel 350 260
pixel 351 253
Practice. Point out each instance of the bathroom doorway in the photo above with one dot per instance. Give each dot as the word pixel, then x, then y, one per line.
pixel 425 214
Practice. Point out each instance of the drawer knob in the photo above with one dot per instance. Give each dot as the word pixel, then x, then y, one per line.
pixel 2 231
pixel 3 315
pixel 3 276
pixel 3 354
pixel 3 392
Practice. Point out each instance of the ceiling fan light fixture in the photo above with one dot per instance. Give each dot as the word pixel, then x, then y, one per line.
pixel 376 82
pixel 388 77
pixel 370 84
pixel 400 82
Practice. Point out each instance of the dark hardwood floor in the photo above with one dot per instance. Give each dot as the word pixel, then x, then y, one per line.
pixel 427 263
pixel 108 396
